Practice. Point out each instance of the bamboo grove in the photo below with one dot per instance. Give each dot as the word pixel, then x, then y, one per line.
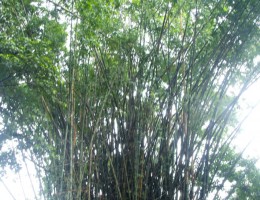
pixel 126 99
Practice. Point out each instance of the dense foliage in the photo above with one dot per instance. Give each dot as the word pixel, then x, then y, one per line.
pixel 123 99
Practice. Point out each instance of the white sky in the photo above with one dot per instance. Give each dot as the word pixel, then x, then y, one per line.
pixel 20 187
pixel 250 130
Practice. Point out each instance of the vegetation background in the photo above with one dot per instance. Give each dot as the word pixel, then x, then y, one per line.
pixel 120 99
